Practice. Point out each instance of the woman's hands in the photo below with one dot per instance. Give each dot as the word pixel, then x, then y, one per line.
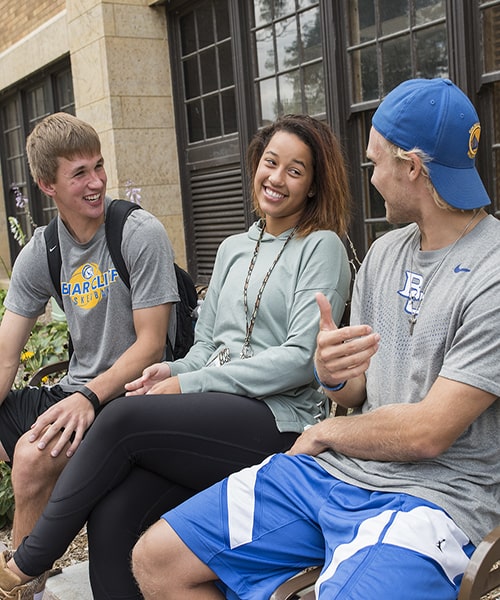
pixel 155 379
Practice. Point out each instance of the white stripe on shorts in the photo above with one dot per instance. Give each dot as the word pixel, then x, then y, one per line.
pixel 423 529
pixel 241 504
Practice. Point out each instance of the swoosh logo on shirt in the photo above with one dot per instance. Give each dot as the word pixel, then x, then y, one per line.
pixel 53 248
pixel 459 269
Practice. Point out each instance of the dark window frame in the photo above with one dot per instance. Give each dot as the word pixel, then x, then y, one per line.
pixel 41 208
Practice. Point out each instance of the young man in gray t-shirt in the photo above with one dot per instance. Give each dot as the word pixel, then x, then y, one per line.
pixel 116 331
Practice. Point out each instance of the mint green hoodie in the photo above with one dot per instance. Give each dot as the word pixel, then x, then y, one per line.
pixel 284 337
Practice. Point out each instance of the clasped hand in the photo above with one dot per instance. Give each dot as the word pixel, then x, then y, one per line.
pixel 155 379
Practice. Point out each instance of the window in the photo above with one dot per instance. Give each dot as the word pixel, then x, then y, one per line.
pixel 207 65
pixel 388 42
pixel 288 57
pixel 20 111
pixel 490 79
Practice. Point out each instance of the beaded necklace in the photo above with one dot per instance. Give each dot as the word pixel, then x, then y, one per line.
pixel 247 350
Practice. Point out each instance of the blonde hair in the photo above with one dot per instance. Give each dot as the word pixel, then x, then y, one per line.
pixel 404 155
pixel 60 135
pixel 329 206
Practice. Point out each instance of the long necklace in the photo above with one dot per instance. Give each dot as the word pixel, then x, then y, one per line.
pixel 415 311
pixel 247 350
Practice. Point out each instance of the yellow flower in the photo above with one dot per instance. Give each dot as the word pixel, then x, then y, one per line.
pixel 27 355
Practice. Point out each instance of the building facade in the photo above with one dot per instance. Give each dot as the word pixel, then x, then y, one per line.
pixel 177 88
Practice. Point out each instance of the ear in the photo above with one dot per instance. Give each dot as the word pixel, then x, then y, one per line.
pixel 311 192
pixel 415 167
pixel 47 188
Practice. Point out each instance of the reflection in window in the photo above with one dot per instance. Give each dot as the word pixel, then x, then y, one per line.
pixel 393 40
pixel 288 56
pixel 491 32
pixel 207 67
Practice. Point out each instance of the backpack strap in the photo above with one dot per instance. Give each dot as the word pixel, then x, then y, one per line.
pixel 54 259
pixel 116 215
pixel 54 256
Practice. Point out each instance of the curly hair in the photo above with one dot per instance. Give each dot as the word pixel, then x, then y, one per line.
pixel 329 207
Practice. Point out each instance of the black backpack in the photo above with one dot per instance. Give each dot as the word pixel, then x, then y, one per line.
pixel 116 215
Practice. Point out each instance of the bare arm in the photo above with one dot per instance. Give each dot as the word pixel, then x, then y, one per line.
pixel 14 333
pixel 395 432
pixel 75 414
pixel 401 432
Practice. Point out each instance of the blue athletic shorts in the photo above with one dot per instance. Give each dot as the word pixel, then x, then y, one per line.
pixel 266 523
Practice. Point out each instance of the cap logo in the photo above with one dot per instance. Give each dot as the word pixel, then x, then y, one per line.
pixel 474 135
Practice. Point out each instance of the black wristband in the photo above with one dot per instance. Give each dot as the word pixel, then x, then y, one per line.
pixel 91 397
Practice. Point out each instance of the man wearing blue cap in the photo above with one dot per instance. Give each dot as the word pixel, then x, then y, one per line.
pixel 396 495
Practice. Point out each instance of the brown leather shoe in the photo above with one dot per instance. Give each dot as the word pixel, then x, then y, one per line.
pixel 11 587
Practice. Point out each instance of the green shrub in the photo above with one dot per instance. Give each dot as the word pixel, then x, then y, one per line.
pixel 6 496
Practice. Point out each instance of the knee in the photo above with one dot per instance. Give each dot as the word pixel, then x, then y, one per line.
pixel 32 467
pixel 150 558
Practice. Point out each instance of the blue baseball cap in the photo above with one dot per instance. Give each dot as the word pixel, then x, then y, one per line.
pixel 435 116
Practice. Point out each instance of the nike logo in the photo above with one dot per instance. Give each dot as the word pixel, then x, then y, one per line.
pixel 53 248
pixel 459 269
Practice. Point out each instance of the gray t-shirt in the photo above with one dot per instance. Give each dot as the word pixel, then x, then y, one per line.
pixel 97 304
pixel 457 336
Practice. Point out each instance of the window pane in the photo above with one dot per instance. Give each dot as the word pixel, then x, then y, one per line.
pixel 222 20
pixel 394 16
pixel 311 34
pixel 14 142
pixel 205 24
pixel 268 101
pixel 283 7
pixel 432 52
pixel 225 64
pixel 428 10
pixel 365 74
pixel 262 12
pixel 305 3
pixel 496 145
pixel 361 21
pixel 289 89
pixel 229 112
pixel 64 87
pixel 191 80
pixel 314 89
pixel 212 116
pixel 39 101
pixel 208 67
pixel 286 44
pixel 491 34
pixel 188 34
pixel 265 52
pixel 396 60
pixel 195 121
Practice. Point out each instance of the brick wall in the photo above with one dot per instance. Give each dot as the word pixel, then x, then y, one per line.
pixel 20 17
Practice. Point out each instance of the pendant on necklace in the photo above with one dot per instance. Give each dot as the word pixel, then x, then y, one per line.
pixel 246 351
pixel 412 320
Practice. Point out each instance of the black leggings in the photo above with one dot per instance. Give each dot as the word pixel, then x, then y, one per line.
pixel 143 456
